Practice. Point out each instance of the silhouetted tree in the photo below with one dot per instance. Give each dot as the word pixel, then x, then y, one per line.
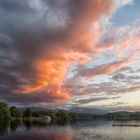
pixel 15 112
pixel 27 113
pixel 4 112
pixel 62 116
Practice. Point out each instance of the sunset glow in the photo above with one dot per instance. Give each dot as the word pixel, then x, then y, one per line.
pixel 70 53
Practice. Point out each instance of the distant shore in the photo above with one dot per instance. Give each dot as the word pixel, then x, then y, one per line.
pixel 60 116
pixel 126 125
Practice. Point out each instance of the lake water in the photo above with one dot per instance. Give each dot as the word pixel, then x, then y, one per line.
pixel 86 130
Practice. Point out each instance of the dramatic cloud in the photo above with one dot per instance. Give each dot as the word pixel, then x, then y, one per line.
pixel 66 52
pixel 39 40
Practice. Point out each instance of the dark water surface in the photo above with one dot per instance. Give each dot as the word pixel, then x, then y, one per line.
pixel 87 130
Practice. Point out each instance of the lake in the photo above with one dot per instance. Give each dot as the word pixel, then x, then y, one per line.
pixel 86 130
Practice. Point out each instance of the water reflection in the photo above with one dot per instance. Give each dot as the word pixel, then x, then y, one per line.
pixel 15 124
pixel 30 130
pixel 95 130
pixel 4 125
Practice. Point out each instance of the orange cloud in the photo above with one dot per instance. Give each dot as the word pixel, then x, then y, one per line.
pixel 77 46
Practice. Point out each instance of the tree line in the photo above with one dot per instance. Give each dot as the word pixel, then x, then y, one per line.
pixel 123 115
pixel 13 112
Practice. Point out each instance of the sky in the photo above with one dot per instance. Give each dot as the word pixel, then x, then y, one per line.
pixel 70 53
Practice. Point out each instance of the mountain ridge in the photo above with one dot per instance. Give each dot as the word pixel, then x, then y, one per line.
pixel 86 110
